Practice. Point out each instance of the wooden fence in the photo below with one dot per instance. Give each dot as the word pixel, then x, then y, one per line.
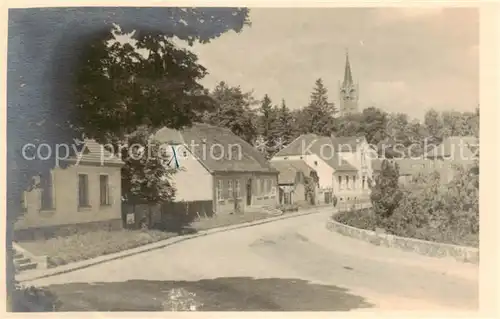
pixel 166 216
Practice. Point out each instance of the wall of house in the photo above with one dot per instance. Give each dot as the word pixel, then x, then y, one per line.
pixel 65 198
pixel 324 170
pixel 353 190
pixel 192 181
pixel 225 203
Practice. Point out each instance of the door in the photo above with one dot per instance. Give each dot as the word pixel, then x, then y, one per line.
pixel 249 192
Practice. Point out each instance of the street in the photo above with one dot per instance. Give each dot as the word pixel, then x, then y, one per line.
pixel 287 265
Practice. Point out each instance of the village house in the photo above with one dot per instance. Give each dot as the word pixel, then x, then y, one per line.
pixel 443 158
pixel 343 164
pixel 79 191
pixel 292 181
pixel 217 167
pixel 408 168
pixel 453 151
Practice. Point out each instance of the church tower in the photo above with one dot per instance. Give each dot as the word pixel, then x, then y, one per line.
pixel 348 91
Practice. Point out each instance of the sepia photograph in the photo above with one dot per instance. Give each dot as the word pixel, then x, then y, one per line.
pixel 165 159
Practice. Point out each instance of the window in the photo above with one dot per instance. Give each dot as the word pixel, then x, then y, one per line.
pixel 219 190
pixel 104 189
pixel 363 182
pixel 262 187
pixel 47 191
pixel 83 190
pixel 315 163
pixel 348 186
pixel 269 186
pixel 354 186
pixel 230 189
pixel 238 188
pixel 340 183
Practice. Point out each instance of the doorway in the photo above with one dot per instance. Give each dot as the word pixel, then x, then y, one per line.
pixel 249 192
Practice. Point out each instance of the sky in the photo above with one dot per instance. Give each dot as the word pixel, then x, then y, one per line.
pixel 405 59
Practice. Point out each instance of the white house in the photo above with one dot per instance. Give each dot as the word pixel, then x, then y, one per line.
pixel 343 164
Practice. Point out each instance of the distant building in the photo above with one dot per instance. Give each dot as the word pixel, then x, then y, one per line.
pixel 292 181
pixel 443 158
pixel 216 166
pixel 453 151
pixel 343 164
pixel 348 92
pixel 408 168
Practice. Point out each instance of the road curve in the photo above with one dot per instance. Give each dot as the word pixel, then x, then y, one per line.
pixel 273 265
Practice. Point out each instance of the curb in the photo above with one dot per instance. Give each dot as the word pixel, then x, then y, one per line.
pixel 422 247
pixel 152 246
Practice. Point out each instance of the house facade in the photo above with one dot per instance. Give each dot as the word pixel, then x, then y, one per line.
pixel 292 181
pixel 213 164
pixel 343 164
pixel 84 189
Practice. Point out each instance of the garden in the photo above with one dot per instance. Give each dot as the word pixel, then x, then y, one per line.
pixel 426 208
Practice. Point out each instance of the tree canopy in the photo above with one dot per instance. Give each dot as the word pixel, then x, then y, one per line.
pixel 53 52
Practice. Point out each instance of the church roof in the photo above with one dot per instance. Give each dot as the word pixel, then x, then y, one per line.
pixel 347 73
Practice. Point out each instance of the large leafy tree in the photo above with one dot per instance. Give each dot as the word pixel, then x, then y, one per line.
pixel 51 52
pixel 233 110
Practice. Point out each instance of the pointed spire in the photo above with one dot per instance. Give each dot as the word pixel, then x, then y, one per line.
pixel 347 73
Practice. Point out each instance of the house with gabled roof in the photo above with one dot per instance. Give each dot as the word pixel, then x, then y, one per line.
pixel 292 181
pixel 342 163
pixel 215 165
pixel 84 188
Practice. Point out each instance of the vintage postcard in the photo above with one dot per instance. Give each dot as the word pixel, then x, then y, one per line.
pixel 246 158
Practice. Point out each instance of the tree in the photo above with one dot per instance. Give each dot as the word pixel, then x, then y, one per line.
pixel 146 175
pixel 233 111
pixel 386 193
pixel 267 126
pixel 285 125
pixel 310 184
pixel 319 112
pixel 46 54
pixel 434 125
pixel 372 123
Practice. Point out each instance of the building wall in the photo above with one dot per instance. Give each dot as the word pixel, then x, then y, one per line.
pixel 353 189
pixel 192 181
pixel 259 197
pixel 65 198
pixel 324 170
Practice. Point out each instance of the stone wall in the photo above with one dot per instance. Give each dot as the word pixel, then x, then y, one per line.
pixel 428 248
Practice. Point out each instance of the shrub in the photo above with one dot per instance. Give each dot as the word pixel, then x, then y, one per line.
pixel 386 194
pixel 363 218
pixel 33 299
pixel 429 210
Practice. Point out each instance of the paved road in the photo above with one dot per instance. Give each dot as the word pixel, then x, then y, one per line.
pixel 291 264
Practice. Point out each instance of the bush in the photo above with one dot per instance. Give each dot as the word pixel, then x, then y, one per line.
pixel 363 218
pixel 429 210
pixel 288 207
pixel 386 194
pixel 33 299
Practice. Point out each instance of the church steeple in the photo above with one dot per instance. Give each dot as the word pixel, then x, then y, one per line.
pixel 349 92
pixel 347 72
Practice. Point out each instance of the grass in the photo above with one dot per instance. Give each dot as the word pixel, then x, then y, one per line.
pixel 77 247
pixel 366 219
